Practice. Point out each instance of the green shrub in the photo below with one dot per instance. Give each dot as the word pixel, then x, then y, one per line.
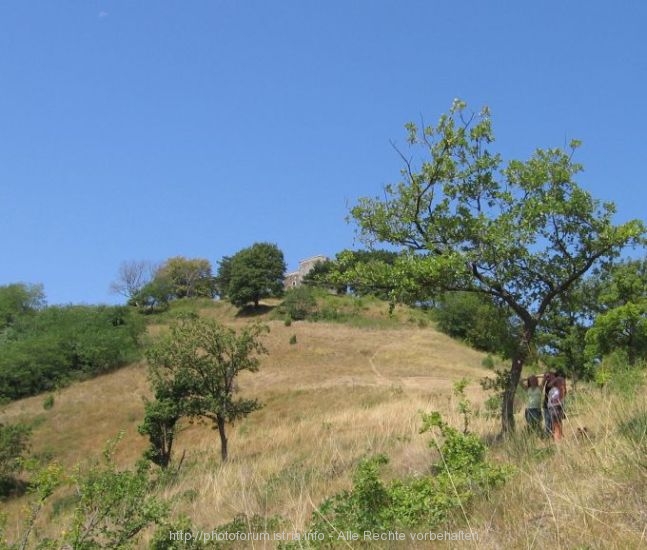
pixel 48 402
pixel 14 442
pixel 477 320
pixel 110 508
pixel 488 362
pixel 59 344
pixel 299 303
pixel 293 339
pixel 421 502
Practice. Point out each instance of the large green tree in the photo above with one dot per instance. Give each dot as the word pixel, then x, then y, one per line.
pixel 254 273
pixel 198 363
pixel 522 233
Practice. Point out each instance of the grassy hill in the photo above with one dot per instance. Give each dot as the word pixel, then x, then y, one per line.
pixel 345 391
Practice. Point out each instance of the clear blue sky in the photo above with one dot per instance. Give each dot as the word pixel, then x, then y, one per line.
pixel 141 130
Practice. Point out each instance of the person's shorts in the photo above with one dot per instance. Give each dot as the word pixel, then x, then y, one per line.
pixel 533 416
pixel 556 413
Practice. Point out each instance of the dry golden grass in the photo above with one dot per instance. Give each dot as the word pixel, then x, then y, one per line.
pixel 343 393
pixel 589 491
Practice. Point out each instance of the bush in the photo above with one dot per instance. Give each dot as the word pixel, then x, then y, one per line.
pixel 422 502
pixel 299 303
pixel 48 402
pixel 14 441
pixel 477 320
pixel 109 508
pixel 57 344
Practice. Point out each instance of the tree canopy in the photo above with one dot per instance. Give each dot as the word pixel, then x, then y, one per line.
pixel 522 232
pixel 253 273
pixel 187 277
pixel 18 300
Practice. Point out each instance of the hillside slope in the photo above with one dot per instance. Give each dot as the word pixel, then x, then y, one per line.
pixel 342 393
pixel 335 395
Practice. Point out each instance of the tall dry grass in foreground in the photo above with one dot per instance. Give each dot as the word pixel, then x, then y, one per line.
pixel 589 491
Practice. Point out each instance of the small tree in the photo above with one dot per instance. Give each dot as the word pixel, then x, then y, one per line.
pixel 188 277
pixel 132 276
pixel 18 300
pixel 201 360
pixel 522 234
pixel 299 303
pixel 255 273
pixel 154 296
pixel 160 418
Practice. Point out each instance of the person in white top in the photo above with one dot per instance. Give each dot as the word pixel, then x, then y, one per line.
pixel 556 395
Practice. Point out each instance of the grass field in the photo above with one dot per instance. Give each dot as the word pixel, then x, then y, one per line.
pixel 343 392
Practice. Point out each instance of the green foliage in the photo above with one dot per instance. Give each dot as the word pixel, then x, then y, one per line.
pixel 110 507
pixel 196 364
pixel 154 296
pixel 58 344
pixel 167 536
pixel 113 506
pixel 366 507
pixel 48 402
pixel 293 339
pixel 223 277
pixel 188 277
pixel 299 303
pixel 477 320
pixel 175 279
pixel 496 385
pixel 623 328
pixel 338 274
pixel 160 419
pixel 14 442
pixel 254 273
pixel 181 534
pixel 465 408
pixel 19 300
pixel 622 283
pixel 324 275
pixel 132 277
pixel 618 376
pixel 423 502
pixel 521 233
pixel 488 362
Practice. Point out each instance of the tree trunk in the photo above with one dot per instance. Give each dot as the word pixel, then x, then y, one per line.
pixel 518 360
pixel 223 438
